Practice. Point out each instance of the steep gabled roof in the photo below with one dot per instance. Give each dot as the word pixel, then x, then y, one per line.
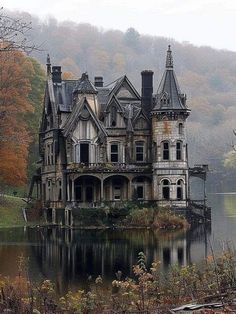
pixel 111 100
pixel 116 86
pixel 74 117
pixel 85 86
pixel 169 96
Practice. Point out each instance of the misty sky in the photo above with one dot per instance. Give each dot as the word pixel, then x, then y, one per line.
pixel 201 22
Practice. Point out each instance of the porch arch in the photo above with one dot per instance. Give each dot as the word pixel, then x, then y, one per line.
pixel 117 187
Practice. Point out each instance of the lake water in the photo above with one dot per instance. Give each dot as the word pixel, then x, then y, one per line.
pixel 70 257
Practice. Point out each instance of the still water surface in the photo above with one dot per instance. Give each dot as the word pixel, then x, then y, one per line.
pixel 69 257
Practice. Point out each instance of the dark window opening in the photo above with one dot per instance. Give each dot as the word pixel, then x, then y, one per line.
pixel 178 151
pixel 117 193
pixel 84 153
pixel 139 151
pixel 166 153
pixel 140 192
pixel 114 153
pixel 89 194
pixel 166 256
pixel 180 128
pixel 179 190
pixel 165 190
pixel 78 193
pixel 180 254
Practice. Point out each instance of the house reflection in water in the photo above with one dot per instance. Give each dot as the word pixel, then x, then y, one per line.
pixel 69 257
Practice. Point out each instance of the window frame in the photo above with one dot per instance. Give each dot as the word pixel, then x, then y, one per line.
pixel 140 144
pixel 114 153
pixel 165 151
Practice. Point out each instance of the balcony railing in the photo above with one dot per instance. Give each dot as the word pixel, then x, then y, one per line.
pixel 109 167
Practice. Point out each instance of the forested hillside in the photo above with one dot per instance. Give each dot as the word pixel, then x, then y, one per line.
pixel 206 75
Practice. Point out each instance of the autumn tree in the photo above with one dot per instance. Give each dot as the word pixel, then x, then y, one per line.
pixel 15 73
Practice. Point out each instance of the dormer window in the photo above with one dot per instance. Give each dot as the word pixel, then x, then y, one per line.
pixel 165 100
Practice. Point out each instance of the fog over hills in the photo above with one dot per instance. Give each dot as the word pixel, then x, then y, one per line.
pixel 206 75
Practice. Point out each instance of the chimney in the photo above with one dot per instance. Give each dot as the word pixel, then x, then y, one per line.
pixel 56 74
pixel 147 90
pixel 98 81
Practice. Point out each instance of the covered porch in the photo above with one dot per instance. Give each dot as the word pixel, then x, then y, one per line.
pixel 87 190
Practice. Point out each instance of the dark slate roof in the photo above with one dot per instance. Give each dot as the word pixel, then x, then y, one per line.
pixel 85 86
pixel 64 95
pixel 169 96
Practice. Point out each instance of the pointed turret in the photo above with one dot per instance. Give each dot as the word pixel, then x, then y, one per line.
pixel 48 64
pixel 169 96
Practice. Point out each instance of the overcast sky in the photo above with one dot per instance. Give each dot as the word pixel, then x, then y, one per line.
pixel 201 22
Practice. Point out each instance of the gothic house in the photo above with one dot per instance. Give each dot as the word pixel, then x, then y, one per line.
pixel 108 144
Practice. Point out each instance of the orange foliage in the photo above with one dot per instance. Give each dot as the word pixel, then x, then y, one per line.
pixel 15 74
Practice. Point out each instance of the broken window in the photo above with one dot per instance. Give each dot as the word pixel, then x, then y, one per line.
pixel 117 192
pixel 140 192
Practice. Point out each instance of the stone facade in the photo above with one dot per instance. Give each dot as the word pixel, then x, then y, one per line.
pixel 109 144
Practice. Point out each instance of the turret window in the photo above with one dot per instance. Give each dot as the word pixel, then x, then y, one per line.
pixel 181 129
pixel 139 147
pixel 165 151
pixel 179 190
pixel 178 150
pixel 166 189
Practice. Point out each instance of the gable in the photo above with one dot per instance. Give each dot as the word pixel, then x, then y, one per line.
pixel 83 121
pixel 125 90
pixel 141 123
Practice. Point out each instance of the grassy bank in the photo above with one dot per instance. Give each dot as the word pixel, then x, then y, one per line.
pixel 11 211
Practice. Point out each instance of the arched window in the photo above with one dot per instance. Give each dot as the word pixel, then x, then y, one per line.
pixel 165 151
pixel 178 150
pixel 181 129
pixel 139 151
pixel 179 190
pixel 166 189
pixel 113 117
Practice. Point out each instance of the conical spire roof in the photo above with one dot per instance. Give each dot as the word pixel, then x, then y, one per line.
pixel 84 86
pixel 168 94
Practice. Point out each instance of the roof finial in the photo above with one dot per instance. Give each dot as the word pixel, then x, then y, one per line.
pixel 169 58
pixel 48 64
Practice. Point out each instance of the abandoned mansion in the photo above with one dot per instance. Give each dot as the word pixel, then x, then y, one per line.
pixel 108 144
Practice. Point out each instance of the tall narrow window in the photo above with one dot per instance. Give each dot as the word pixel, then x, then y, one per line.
pixel 166 189
pixel 178 151
pixel 166 151
pixel 114 153
pixel 181 128
pixel 139 151
pixel 84 152
pixel 113 116
pixel 179 190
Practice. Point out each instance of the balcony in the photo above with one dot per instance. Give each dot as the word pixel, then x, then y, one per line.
pixel 109 167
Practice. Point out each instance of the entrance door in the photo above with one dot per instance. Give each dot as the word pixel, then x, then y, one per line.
pixel 89 194
pixel 84 152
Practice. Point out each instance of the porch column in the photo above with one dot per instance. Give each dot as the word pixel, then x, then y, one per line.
pixel 130 190
pixel 73 190
pixel 68 189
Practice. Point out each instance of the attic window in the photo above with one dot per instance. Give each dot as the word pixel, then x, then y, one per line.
pixel 113 116
pixel 165 100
